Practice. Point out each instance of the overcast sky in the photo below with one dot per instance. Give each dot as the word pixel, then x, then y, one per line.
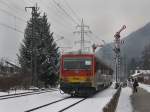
pixel 104 17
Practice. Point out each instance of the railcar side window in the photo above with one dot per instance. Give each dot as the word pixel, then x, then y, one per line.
pixel 77 63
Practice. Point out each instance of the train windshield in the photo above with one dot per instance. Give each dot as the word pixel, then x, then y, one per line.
pixel 77 63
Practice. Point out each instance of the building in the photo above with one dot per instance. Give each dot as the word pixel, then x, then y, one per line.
pixel 142 76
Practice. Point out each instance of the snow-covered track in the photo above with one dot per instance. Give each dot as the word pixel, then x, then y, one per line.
pixel 36 108
pixel 23 94
pixel 72 105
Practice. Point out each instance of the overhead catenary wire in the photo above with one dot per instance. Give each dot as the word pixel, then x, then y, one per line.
pixel 76 15
pixel 20 11
pixel 9 13
pixel 61 22
pixel 65 12
pixel 61 13
pixel 93 35
pixel 58 33
pixel 63 26
pixel 15 17
pixel 12 6
pixel 12 28
pixel 96 37
pixel 60 6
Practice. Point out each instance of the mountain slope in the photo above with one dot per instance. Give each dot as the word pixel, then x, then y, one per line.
pixel 133 45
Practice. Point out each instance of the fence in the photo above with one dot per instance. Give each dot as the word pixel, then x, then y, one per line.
pixel 111 106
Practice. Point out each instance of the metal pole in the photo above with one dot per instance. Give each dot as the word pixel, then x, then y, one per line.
pixel 117 54
pixel 33 53
pixel 82 32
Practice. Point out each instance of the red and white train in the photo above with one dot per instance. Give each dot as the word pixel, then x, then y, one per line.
pixel 83 74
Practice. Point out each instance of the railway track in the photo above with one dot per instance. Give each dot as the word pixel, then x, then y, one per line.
pixel 72 105
pixel 39 107
pixel 57 101
pixel 3 97
pixel 60 100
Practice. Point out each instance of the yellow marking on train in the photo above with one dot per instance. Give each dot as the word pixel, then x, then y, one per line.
pixel 75 79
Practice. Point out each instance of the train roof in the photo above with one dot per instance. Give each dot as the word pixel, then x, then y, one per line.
pixel 68 55
pixel 78 53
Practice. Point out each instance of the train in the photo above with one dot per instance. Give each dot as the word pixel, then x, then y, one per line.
pixel 82 74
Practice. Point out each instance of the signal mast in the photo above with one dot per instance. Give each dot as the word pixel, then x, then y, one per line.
pixel 118 54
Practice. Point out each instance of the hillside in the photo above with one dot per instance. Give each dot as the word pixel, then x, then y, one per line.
pixel 133 45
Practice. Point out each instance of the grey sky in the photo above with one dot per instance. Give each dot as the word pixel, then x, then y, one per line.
pixel 104 17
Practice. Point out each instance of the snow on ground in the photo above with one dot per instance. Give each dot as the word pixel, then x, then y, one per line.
pixel 3 93
pixel 14 92
pixel 145 87
pixel 94 104
pixel 58 106
pixel 124 103
pixel 20 104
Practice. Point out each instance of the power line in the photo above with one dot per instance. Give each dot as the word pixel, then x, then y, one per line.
pixel 65 12
pixel 59 19
pixel 10 6
pixel 58 34
pixel 7 3
pixel 61 13
pixel 19 18
pixel 12 28
pixel 68 5
pixel 15 17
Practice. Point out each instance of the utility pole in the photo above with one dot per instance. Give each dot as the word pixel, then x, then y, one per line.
pixel 82 31
pixel 33 49
pixel 118 55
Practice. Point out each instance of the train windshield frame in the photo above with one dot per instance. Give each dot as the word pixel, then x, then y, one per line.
pixel 77 63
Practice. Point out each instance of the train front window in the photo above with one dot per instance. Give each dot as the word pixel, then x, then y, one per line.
pixel 77 63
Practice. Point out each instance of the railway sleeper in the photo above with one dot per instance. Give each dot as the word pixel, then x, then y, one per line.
pixel 80 91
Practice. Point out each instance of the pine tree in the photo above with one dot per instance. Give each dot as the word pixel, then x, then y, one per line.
pixel 49 54
pixel 39 52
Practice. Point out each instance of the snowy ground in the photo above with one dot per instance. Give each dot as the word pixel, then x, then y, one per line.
pixel 94 104
pixel 124 103
pixel 145 87
pixel 13 92
pixel 20 104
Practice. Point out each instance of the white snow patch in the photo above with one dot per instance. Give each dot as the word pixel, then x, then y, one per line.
pixel 14 92
pixel 95 104
pixel 21 104
pixel 124 103
pixel 145 87
pixel 58 106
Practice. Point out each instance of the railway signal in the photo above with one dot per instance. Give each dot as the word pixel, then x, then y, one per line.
pixel 117 54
